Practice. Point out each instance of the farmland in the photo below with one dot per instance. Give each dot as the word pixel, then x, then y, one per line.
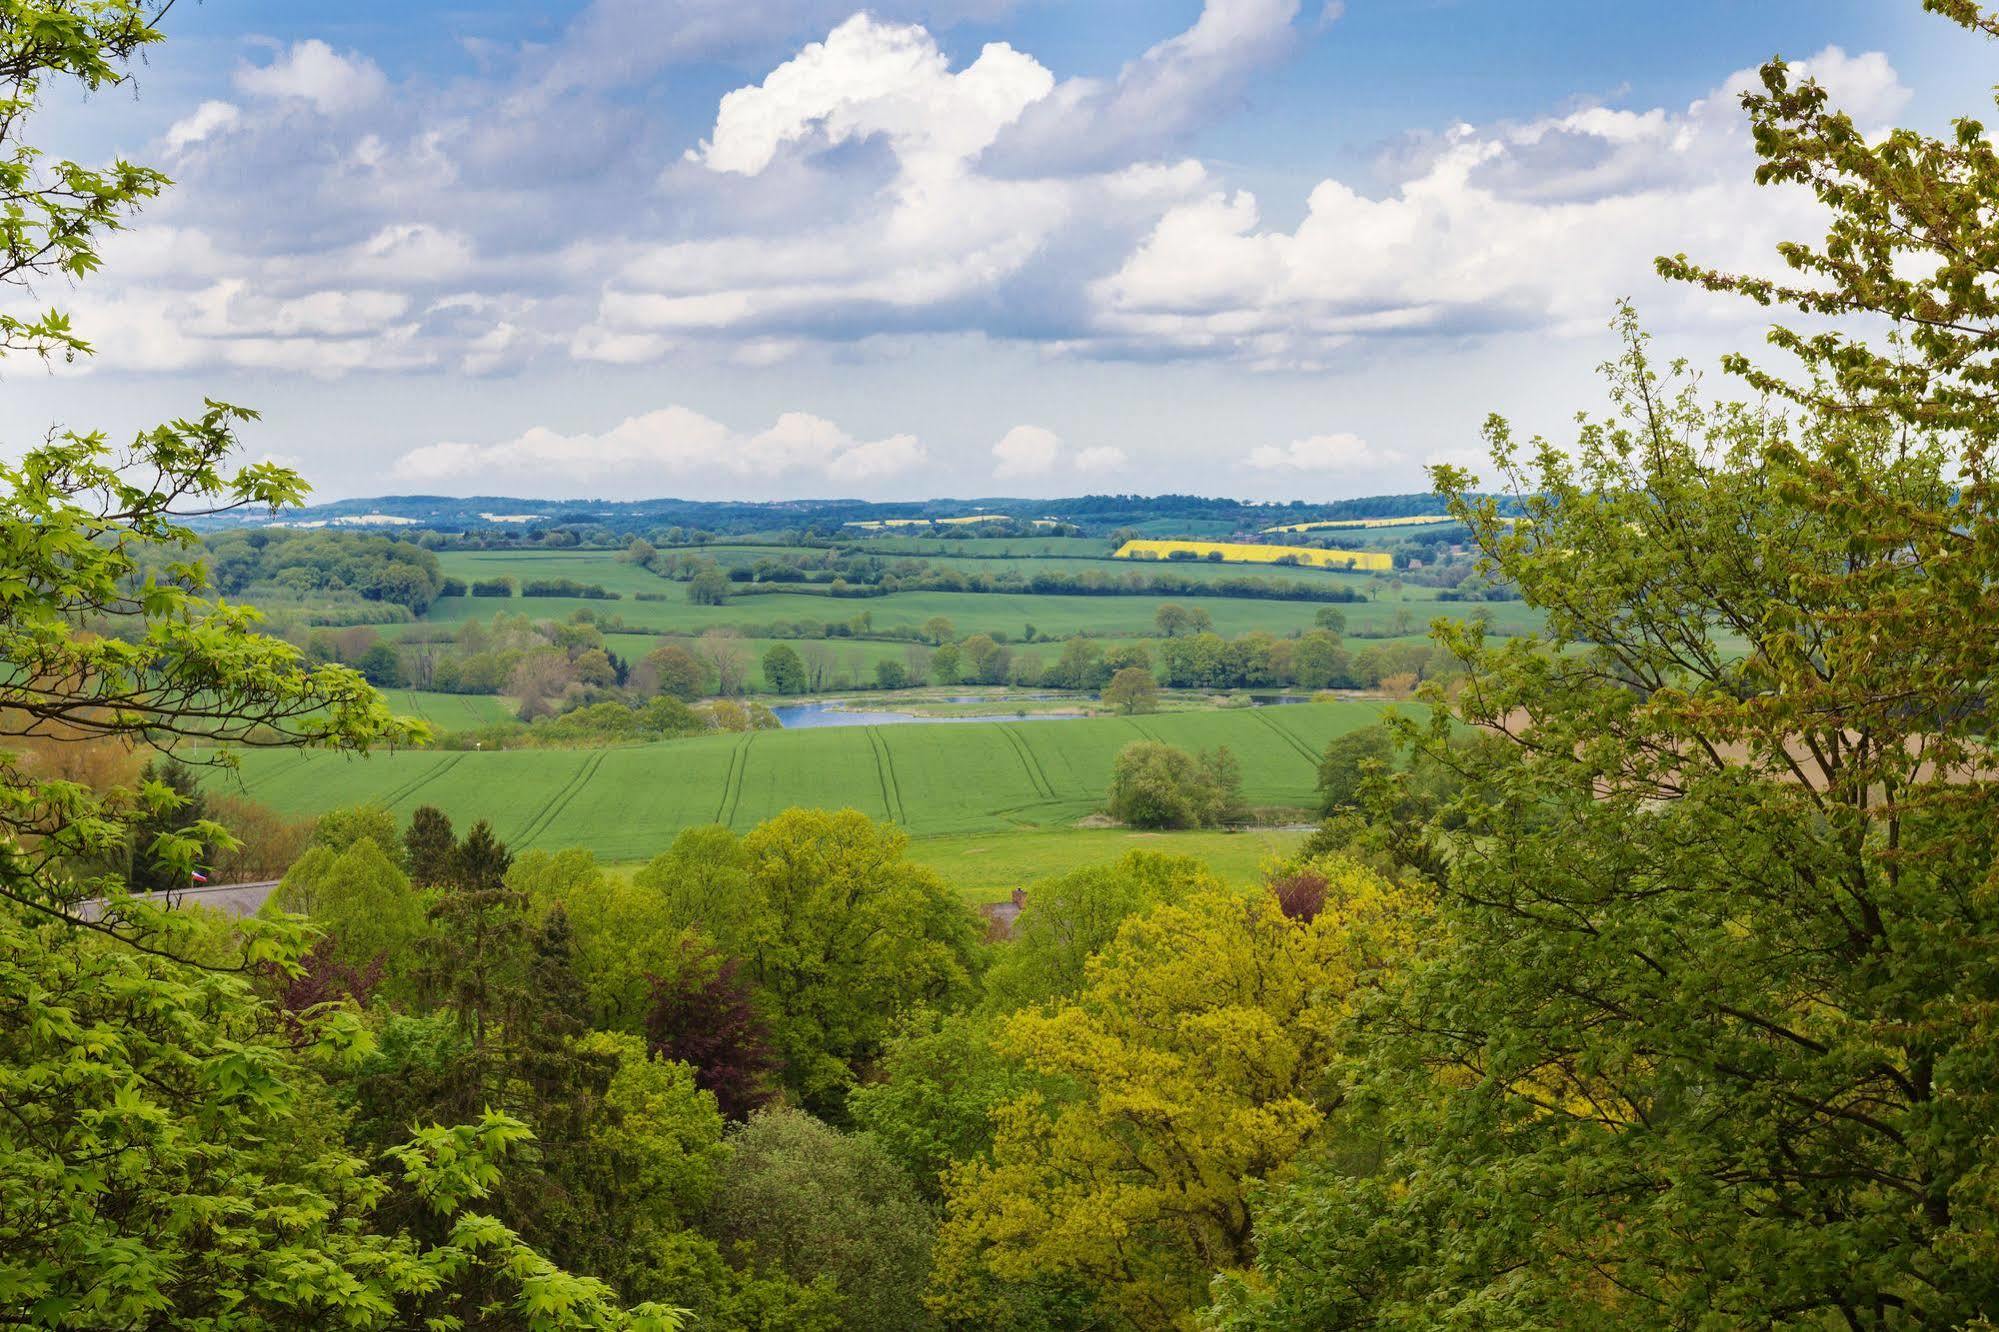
pixel 1244 552
pixel 1332 524
pixel 1052 615
pixel 984 867
pixel 977 778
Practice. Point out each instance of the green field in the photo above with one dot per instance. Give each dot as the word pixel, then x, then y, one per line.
pixel 985 867
pixel 449 712
pixel 974 778
pixel 971 612
pixel 985 546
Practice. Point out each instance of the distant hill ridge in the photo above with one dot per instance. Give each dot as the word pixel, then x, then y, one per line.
pixel 1093 513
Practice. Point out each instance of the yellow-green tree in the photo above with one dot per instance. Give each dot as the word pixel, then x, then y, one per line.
pixel 1201 1054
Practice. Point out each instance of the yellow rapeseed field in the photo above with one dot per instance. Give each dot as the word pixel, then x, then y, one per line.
pixel 1418 520
pixel 1368 561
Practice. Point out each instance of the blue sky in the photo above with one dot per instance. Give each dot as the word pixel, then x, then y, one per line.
pixel 772 248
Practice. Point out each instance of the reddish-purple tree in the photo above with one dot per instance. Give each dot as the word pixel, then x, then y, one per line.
pixel 1300 896
pixel 704 1016
pixel 322 979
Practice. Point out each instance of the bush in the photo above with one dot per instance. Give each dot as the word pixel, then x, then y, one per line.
pixel 502 586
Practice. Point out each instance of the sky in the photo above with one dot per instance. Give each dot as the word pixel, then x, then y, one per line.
pixel 766 249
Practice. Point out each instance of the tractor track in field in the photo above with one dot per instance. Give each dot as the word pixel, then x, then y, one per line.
pixel 1304 750
pixel 552 811
pixel 729 780
pixel 1037 776
pixel 421 780
pixel 290 762
pixel 519 836
pixel 733 793
pixel 885 771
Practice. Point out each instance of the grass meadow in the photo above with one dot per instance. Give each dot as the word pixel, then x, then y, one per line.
pixel 951 780
pixel 973 612
pixel 985 867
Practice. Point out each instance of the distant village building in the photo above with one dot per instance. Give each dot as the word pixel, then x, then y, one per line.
pixel 1000 916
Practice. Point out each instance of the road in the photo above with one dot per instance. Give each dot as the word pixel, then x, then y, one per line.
pixel 236 899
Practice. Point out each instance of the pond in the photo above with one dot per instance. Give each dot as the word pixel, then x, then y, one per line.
pixel 800 716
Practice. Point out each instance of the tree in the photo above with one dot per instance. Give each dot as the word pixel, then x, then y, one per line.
pixel 539 680
pixel 1196 1060
pixel 890 674
pixel 1349 761
pixel 1223 778
pixel 728 660
pixel 232 1201
pixel 594 666
pixel 1081 666
pixel 985 660
pixel 474 957
pixel 363 902
pixel 429 846
pixel 671 670
pixel 1173 620
pixel 944 664
pixel 1726 949
pixel 182 807
pixel 932 1104
pixel 1126 656
pixel 1157 786
pixel 381 667
pixel 784 672
pixel 1318 661
pixel 1331 619
pixel 710 587
pixel 1070 919
pixel 702 1014
pixel 652 1160
pixel 939 630
pixel 836 930
pixel 1132 691
pixel 339 829
pixel 804 1199
pixel 170 1157
pixel 481 861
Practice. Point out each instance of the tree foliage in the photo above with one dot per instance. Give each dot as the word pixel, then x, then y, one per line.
pixel 1199 1057
pixel 836 931
pixel 1713 1044
pixel 823 1206
pixel 1154 785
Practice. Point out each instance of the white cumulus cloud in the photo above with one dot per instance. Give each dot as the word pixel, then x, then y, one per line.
pixel 1499 229
pixel 1318 453
pixel 1026 450
pixel 311 71
pixel 204 122
pixel 655 452
pixel 1168 90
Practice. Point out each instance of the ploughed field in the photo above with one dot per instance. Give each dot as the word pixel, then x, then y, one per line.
pixel 628 803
